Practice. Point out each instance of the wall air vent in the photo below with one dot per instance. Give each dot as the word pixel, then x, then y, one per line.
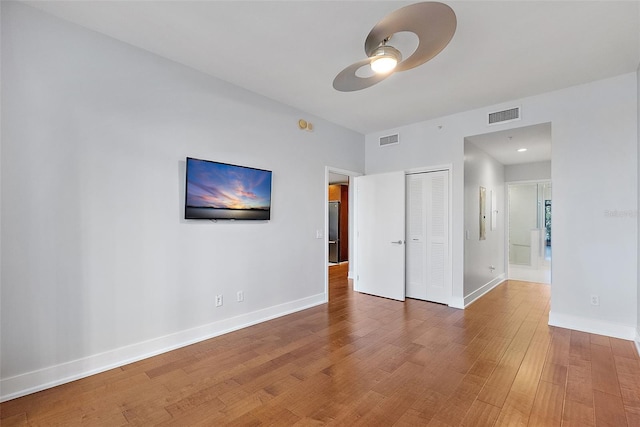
pixel 503 116
pixel 389 140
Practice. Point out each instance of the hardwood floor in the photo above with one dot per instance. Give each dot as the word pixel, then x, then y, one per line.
pixel 363 360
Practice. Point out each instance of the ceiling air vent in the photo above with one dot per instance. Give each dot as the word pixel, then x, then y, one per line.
pixel 389 140
pixel 504 116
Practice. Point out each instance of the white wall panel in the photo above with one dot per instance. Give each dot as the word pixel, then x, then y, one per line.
pixel 595 189
pixel 99 267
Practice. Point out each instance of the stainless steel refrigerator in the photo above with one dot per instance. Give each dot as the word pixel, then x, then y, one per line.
pixel 334 231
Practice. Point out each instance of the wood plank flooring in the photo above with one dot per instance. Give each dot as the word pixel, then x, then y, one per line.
pixel 363 360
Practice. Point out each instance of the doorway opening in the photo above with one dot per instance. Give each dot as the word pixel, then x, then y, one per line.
pixel 513 167
pixel 338 230
pixel 529 231
pixel 338 212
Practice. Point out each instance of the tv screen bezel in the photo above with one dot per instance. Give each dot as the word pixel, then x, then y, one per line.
pixel 213 211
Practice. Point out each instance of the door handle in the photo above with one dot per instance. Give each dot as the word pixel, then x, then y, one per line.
pixel 399 242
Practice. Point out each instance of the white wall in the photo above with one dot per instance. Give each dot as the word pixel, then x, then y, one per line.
pixel 537 171
pixel 102 267
pixel 594 133
pixel 480 169
pixel 638 288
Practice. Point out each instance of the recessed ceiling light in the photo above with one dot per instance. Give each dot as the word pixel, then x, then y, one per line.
pixel 521 150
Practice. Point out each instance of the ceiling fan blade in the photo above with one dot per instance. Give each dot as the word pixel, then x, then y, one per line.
pixel 434 23
pixel 348 81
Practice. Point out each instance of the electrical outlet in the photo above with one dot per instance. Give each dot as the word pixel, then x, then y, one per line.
pixel 240 296
pixel 218 300
pixel 595 300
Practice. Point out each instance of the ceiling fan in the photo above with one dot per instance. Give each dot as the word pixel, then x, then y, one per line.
pixel 433 23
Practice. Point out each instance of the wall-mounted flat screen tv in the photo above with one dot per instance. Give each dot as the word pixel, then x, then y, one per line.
pixel 222 191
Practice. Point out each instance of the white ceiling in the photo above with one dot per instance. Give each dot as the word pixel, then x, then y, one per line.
pixel 503 145
pixel 290 51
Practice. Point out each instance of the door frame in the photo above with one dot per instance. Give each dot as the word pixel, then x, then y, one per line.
pixel 325 235
pixel 353 267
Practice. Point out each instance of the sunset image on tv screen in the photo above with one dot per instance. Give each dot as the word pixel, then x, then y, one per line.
pixel 223 191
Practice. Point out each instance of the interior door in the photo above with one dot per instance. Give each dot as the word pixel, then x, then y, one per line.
pixel 427 236
pixel 380 203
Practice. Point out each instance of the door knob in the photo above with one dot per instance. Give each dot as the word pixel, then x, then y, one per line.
pixel 399 242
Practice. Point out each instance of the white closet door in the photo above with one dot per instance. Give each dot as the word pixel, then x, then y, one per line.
pixel 427 236
pixel 380 207
pixel 416 237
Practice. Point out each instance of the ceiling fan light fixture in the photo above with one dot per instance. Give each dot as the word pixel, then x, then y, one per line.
pixel 384 59
pixel 433 23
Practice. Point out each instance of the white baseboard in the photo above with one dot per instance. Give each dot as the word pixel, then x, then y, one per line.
pixel 351 275
pixel 31 382
pixel 473 296
pixel 593 326
pixel 637 341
